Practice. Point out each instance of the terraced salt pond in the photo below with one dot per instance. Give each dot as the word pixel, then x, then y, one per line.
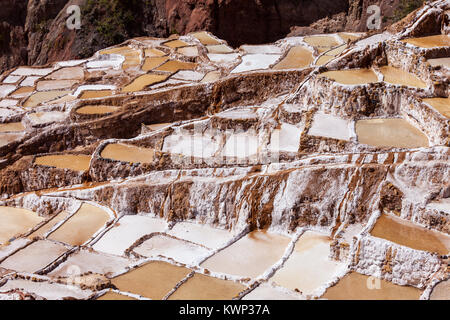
pixel 322 43
pixel 128 153
pixel 396 133
pixel 440 104
pixel 355 286
pixel 400 77
pixel 153 62
pixel 7 138
pixel 91 94
pixel 11 127
pixel 112 296
pixel 411 235
pixel 308 267
pixel 444 62
pixel 205 38
pixel 153 280
pixel 175 65
pixel 42 97
pixel 430 41
pixel 50 225
pixel 441 291
pixel 97 109
pixel 297 58
pixel 141 82
pixel 16 221
pixel 81 226
pixel 70 73
pixel 22 92
pixel 34 257
pixel 201 287
pixel 352 77
pixel 175 44
pixel 261 249
pixel 76 162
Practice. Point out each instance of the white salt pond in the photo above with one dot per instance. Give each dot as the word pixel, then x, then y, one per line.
pixel 287 138
pixel 197 145
pixel 326 125
pixel 241 145
pixel 179 250
pixel 223 58
pixel 126 232
pixel 266 291
pixel 40 118
pixel 443 62
pixel 252 62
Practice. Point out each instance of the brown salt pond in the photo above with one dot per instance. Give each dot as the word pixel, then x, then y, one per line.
pixel 153 62
pixel 205 38
pixel 408 234
pixel 76 162
pixel 355 286
pixel 128 153
pixel 90 94
pixel 400 77
pixel 430 42
pixel 175 44
pixel 152 52
pixel 22 92
pixel 322 43
pixel 34 257
pixel 175 65
pixel 141 82
pixel 352 77
pixel 297 57
pixel 16 221
pixel 97 109
pixel 396 133
pixel 49 225
pixel 111 295
pixel 308 267
pixel 201 287
pixel 250 256
pixel 81 226
pixel 42 97
pixel 440 104
pixel 441 291
pixel 153 280
pixel 11 127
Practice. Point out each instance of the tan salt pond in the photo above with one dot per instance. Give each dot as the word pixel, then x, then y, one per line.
pixel 322 43
pixel 7 138
pixel 153 280
pixel 201 287
pixel 11 127
pixel 440 104
pixel 128 153
pixel 324 59
pixel 430 42
pixel 34 257
pixel 205 38
pixel 445 62
pixel 175 65
pixel 141 82
pixel 90 94
pixel 175 44
pixel 441 291
pixel 400 77
pixel 153 62
pixel 49 225
pixel 211 76
pixel 16 221
pixel 397 133
pixel 250 256
pixel 158 126
pixel 81 226
pixel 111 295
pixel 220 48
pixel 97 109
pixel 42 97
pixel 411 235
pixel 76 162
pixel 348 36
pixel 308 267
pixel 75 73
pixel 352 77
pixel 152 52
pixel 22 92
pixel 355 286
pixel 297 57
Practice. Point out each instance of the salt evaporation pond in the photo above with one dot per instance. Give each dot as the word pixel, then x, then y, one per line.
pixel 16 221
pixel 128 153
pixel 76 162
pixel 352 77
